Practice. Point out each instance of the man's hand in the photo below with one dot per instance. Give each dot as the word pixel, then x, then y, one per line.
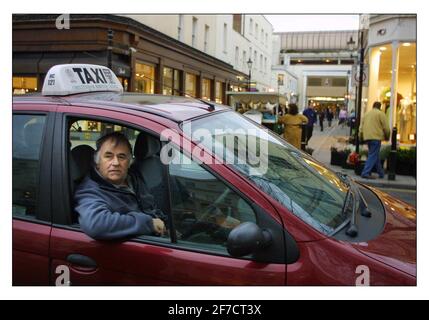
pixel 159 226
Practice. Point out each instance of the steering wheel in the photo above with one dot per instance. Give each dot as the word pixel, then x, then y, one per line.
pixel 205 229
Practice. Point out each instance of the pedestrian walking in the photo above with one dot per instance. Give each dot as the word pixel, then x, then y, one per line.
pixel 329 116
pixel 293 125
pixel 373 130
pixel 321 118
pixel 342 117
pixel 312 119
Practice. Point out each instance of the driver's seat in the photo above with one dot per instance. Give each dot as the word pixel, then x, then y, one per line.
pixel 147 162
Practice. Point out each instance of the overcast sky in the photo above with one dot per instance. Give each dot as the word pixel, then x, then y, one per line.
pixel 316 22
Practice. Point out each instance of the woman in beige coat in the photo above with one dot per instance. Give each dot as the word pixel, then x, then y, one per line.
pixel 292 122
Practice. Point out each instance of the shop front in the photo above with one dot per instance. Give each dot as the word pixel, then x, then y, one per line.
pixel 392 73
pixel 143 59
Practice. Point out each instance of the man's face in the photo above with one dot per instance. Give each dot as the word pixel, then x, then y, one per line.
pixel 114 162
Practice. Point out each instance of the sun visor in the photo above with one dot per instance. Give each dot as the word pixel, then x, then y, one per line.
pixel 67 79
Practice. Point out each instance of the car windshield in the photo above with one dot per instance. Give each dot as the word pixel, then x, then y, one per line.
pixel 301 184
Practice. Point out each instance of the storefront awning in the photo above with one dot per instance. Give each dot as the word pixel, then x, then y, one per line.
pixel 256 97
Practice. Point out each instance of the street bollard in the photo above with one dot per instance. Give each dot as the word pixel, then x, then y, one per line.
pixel 303 137
pixel 392 155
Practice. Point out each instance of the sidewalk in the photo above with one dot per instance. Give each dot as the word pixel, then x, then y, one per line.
pixel 321 143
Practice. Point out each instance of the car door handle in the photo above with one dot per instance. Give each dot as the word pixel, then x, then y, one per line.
pixel 82 261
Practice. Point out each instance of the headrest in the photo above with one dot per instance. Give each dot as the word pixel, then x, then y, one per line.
pixel 83 156
pixel 146 146
pixel 33 134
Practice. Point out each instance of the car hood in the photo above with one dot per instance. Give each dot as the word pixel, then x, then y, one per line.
pixel 396 245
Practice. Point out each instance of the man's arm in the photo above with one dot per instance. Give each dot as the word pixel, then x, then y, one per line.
pixel 385 125
pixel 99 222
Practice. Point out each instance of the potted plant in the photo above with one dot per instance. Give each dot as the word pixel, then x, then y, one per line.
pixel 406 163
pixel 339 157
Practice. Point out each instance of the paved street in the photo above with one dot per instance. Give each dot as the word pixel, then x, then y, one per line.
pixel 404 187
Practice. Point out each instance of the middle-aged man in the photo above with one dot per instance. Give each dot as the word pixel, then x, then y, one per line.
pixel 312 119
pixel 373 130
pixel 113 202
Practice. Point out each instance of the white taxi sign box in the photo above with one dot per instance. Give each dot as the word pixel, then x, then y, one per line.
pixel 67 79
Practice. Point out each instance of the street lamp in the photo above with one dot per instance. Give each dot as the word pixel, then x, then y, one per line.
pixel 249 64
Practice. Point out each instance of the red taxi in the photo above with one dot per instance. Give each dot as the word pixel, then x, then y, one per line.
pixel 286 219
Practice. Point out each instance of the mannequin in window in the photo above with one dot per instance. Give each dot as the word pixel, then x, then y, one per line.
pixel 405 119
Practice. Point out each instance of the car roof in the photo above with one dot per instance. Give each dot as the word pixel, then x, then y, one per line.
pixel 175 108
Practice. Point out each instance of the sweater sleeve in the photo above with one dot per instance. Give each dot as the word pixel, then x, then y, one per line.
pixel 385 125
pixel 99 222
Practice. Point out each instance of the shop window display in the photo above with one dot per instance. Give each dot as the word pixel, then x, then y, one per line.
pixel 191 85
pixel 206 92
pixel 403 115
pixel 145 78
pixel 23 85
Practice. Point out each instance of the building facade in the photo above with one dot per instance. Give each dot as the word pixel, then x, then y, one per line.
pixel 233 39
pixel 322 62
pixel 144 59
pixel 392 59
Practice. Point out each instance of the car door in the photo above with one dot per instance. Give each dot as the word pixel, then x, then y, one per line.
pixel 149 260
pixel 31 225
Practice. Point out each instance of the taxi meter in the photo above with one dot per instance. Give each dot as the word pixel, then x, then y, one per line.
pixel 67 79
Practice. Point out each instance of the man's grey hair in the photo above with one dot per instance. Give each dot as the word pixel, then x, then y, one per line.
pixel 117 138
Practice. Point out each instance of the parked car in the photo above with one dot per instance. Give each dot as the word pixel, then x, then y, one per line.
pixel 286 218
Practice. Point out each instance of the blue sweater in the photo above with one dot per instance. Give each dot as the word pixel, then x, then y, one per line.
pixel 311 116
pixel 107 212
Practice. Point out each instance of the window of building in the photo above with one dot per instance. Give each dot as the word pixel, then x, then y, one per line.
pixel 262 36
pixel 251 26
pixel 237 23
pixel 206 89
pixel 219 92
pixel 266 39
pixel 256 31
pixel 265 65
pixel 180 28
pixel 27 135
pixel 261 66
pixel 237 53
pixel 177 74
pixel 403 116
pixel 23 85
pixel 145 78
pixel 205 219
pixel 206 38
pixel 194 31
pixel 124 82
pixel 191 84
pixel 255 60
pixel 225 38
pixel 168 81
pixel 244 67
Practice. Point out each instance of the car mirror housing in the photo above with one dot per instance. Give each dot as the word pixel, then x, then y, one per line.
pixel 247 238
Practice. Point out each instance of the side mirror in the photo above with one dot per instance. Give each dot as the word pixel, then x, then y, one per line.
pixel 247 238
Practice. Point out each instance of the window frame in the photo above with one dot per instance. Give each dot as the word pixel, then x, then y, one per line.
pixel 43 211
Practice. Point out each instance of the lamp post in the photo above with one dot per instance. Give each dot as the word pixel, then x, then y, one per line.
pixel 110 34
pixel 249 64
pixel 351 43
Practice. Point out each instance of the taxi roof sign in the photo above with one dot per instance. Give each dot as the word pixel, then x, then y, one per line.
pixel 67 79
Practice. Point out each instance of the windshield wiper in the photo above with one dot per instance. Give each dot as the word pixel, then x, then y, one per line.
pixel 354 190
